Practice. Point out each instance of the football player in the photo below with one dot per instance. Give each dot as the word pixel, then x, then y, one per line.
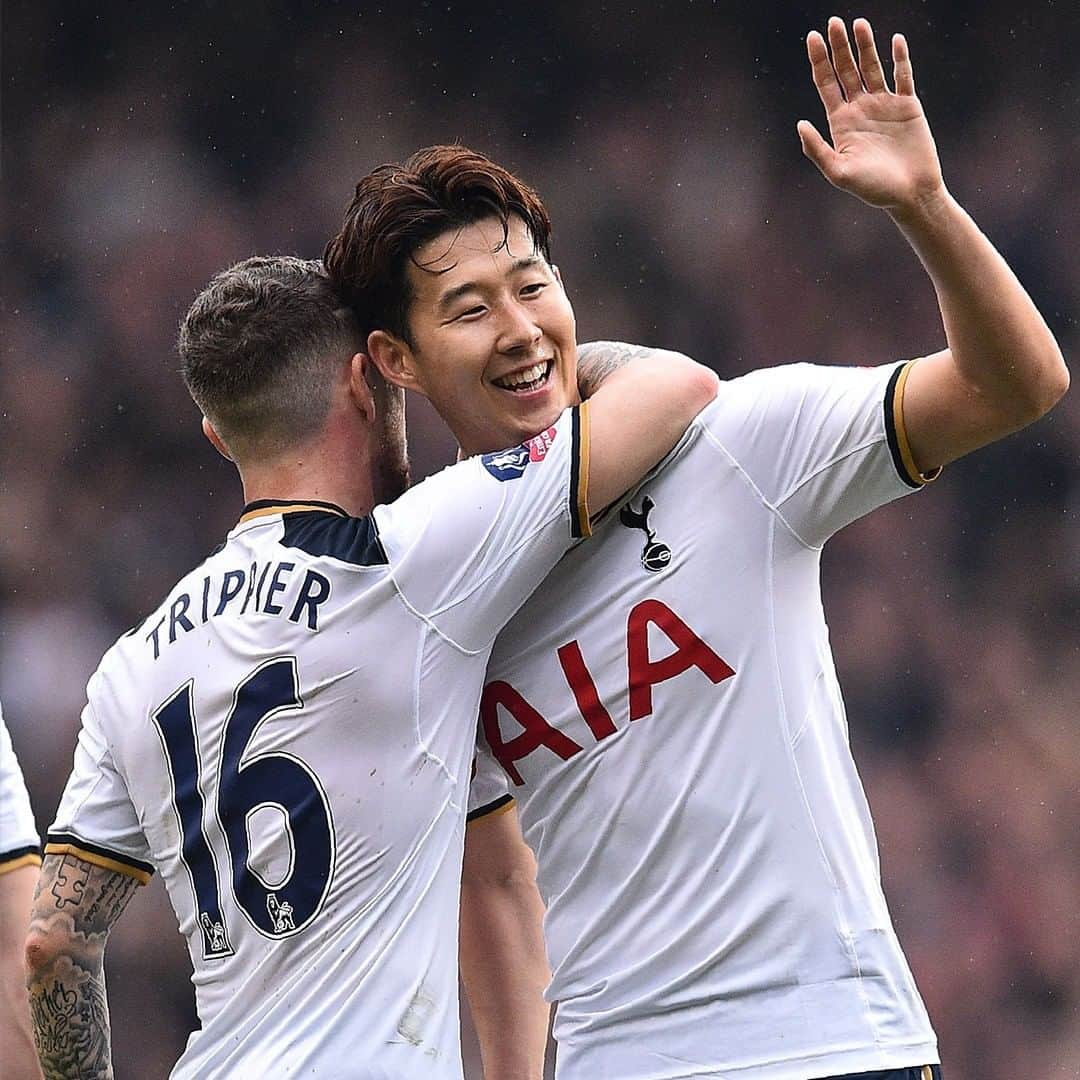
pixel 666 716
pixel 288 738
pixel 19 860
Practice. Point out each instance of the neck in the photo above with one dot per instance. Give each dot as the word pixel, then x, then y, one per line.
pixel 327 471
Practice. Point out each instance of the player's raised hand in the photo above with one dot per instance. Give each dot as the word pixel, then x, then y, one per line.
pixel 882 150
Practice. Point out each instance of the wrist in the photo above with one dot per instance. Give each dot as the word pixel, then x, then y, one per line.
pixel 927 208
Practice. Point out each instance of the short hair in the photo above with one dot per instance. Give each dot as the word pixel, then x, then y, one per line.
pixel 259 348
pixel 399 207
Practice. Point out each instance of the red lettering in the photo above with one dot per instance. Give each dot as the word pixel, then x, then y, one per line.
pixel 536 731
pixel 690 651
pixel 584 689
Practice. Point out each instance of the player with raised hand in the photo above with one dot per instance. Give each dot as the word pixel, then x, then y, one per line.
pixel 289 737
pixel 667 718
pixel 19 860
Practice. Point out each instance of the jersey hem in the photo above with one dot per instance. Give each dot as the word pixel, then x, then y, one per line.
pixel 69 844
pixel 580 526
pixel 492 809
pixel 30 855
pixel 896 432
pixel 825 1064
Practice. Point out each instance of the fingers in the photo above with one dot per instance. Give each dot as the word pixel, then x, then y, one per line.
pixel 822 70
pixel 837 75
pixel 903 76
pixel 843 59
pixel 873 75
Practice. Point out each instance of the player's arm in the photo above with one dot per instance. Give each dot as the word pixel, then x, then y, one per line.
pixel 16 1042
pixel 641 404
pixel 503 965
pixel 599 359
pixel 75 907
pixel 1002 368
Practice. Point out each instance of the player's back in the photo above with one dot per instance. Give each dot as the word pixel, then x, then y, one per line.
pixel 304 824
pixel 288 739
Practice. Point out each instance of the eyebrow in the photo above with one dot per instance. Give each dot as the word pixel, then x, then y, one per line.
pixel 458 291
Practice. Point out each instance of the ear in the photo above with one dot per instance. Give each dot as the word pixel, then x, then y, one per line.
pixel 394 359
pixel 215 439
pixel 363 397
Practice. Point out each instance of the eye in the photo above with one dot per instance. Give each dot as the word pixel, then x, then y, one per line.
pixel 471 313
pixel 534 289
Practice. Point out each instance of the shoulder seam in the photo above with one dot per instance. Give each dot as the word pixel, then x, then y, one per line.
pixel 772 508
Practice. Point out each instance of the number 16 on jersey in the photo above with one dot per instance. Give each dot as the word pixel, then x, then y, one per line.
pixel 246 784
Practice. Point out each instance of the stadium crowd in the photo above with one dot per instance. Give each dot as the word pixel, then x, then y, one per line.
pixel 144 151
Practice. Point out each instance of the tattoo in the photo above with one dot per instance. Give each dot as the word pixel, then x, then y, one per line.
pixel 75 907
pixel 598 359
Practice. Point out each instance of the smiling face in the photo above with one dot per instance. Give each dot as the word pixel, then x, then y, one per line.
pixel 491 335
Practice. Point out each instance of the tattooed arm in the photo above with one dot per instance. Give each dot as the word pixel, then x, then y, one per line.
pixel 75 907
pixel 598 359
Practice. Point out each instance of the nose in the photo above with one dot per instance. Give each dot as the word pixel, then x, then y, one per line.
pixel 519 330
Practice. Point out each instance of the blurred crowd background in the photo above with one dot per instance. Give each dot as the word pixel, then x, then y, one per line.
pixel 145 147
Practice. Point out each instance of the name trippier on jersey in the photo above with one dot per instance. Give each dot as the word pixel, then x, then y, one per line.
pixel 270 588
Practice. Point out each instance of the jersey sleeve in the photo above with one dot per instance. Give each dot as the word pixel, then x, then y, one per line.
pixel 468 546
pixel 489 788
pixel 96 820
pixel 19 844
pixel 822 445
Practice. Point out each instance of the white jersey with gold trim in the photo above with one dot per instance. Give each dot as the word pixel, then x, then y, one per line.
pixel 19 844
pixel 669 718
pixel 288 740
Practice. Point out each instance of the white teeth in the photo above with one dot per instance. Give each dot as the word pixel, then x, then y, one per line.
pixel 523 378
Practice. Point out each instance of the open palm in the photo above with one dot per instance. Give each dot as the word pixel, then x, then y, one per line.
pixel 882 150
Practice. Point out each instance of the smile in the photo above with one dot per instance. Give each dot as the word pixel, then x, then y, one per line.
pixel 525 382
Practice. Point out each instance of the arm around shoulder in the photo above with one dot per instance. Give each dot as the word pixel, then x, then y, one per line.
pixel 639 414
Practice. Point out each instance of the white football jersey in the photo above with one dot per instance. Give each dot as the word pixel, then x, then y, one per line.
pixel 668 715
pixel 19 844
pixel 288 740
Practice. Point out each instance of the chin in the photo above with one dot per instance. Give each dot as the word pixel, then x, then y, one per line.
pixel 540 419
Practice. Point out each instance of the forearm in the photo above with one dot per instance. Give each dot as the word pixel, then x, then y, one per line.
pixel 504 971
pixel 999 341
pixel 70 1015
pixel 75 907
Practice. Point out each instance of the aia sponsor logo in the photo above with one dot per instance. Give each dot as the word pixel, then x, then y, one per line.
pixel 514 728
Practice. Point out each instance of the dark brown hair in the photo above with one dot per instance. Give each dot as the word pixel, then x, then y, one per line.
pixel 260 348
pixel 399 207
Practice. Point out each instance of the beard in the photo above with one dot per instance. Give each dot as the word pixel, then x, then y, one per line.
pixel 391 465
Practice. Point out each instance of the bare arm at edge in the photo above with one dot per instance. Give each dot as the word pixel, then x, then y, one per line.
pixel 16 1041
pixel 503 963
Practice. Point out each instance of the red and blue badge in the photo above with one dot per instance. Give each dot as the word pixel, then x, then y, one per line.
pixel 510 464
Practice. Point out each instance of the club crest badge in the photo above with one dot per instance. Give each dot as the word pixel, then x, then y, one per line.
pixel 655 556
